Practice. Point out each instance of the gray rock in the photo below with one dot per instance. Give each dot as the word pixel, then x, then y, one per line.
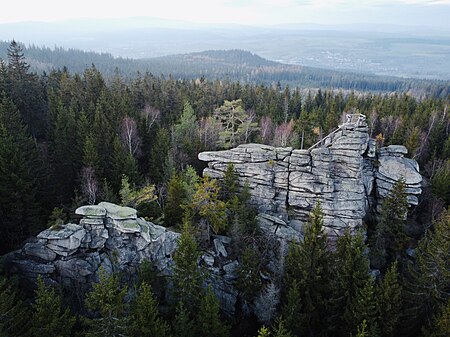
pixel 116 212
pixel 39 250
pixel 76 269
pixel 65 240
pixel 91 211
pixel 126 225
pixel 220 248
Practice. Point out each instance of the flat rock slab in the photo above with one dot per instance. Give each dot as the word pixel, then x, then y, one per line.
pixel 60 234
pixel 127 226
pixel 118 212
pixel 91 211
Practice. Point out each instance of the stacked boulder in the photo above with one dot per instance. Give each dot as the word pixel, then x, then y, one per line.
pixel 107 236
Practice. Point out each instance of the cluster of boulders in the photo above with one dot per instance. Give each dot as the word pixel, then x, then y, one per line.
pixel 345 173
pixel 107 236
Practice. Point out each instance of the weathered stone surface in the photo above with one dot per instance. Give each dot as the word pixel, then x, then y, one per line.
pixel 220 248
pixel 116 212
pixel 64 241
pixel 340 172
pixel 126 225
pixel 39 250
pixel 91 211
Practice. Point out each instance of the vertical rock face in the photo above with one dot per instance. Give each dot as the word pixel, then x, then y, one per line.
pixel 344 173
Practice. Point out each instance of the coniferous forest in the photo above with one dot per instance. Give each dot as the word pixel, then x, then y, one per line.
pixel 70 139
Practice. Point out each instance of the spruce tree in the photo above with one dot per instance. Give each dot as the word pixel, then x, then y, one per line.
pixel 48 317
pixel 173 209
pixel 145 320
pixel 183 325
pixel 311 269
pixel 187 276
pixel 390 241
pixel 19 174
pixel 350 276
pixel 107 301
pixel 14 315
pixel 280 330
pixel 292 309
pixel 428 279
pixel 209 323
pixel 389 302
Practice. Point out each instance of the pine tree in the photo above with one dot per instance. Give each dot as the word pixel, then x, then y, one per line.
pixel 311 269
pixel 14 315
pixel 107 300
pixel 428 280
pixel 350 276
pixel 183 325
pixel 19 173
pixel 145 320
pixel 176 197
pixel 389 302
pixel 280 330
pixel 48 318
pixel 292 310
pixel 209 323
pixel 390 241
pixel 248 274
pixel 229 184
pixel 187 276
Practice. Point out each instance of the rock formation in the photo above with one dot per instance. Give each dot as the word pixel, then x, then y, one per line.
pixel 107 236
pixel 344 172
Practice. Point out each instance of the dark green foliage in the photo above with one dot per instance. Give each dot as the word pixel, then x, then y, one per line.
pixel 48 317
pixel 441 323
pixel 106 301
pixel 292 309
pixel 440 183
pixel 19 169
pixel 428 280
pixel 176 197
pixel 209 322
pixel 159 166
pixel 389 302
pixel 183 325
pixel 145 320
pixel 187 276
pixel 229 184
pixel 14 315
pixel 351 275
pixel 389 241
pixel 309 264
pixel 280 330
pixel 248 279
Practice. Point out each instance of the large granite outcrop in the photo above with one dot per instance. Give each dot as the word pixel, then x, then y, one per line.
pixel 107 235
pixel 344 172
pixel 116 239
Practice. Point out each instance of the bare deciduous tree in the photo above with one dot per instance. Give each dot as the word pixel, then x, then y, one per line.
pixel 266 129
pixel 89 185
pixel 151 115
pixel 284 134
pixel 130 137
pixel 209 132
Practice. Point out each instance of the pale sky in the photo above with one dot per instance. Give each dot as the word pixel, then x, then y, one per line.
pixel 251 12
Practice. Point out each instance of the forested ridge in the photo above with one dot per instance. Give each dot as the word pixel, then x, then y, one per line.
pixel 231 65
pixel 73 138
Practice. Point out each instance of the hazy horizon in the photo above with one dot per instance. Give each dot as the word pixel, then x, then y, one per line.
pixel 427 13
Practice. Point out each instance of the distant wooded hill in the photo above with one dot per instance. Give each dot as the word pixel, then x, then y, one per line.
pixel 232 65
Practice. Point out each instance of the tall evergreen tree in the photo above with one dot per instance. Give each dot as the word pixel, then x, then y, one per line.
pixel 311 269
pixel 19 173
pixel 389 301
pixel 183 325
pixel 176 195
pixel 48 317
pixel 107 301
pixel 351 275
pixel 209 323
pixel 187 276
pixel 145 320
pixel 390 241
pixel 14 315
